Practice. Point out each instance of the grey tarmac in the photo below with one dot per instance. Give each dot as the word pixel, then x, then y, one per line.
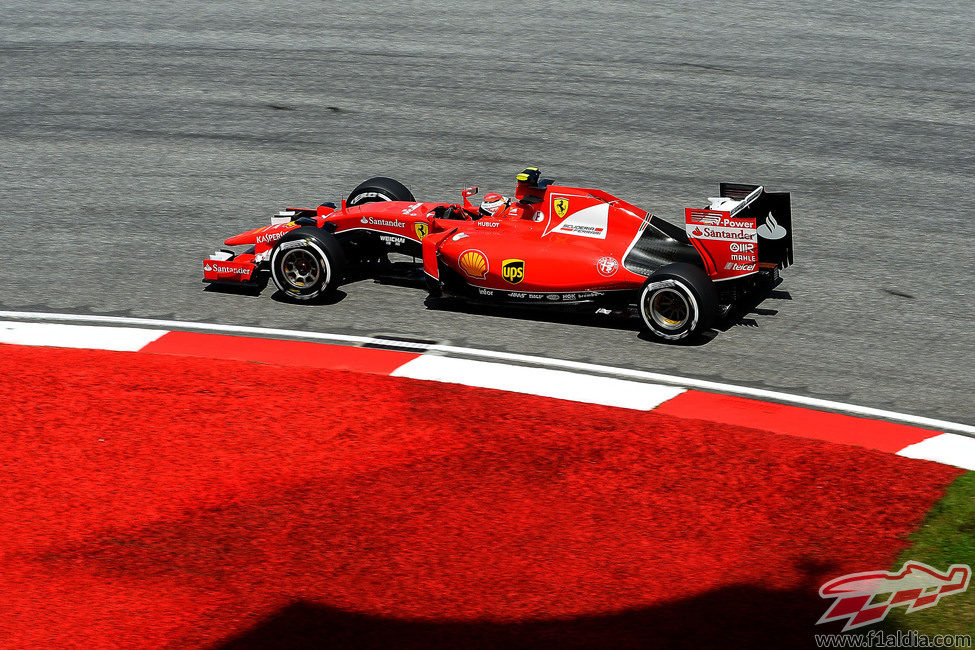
pixel 134 139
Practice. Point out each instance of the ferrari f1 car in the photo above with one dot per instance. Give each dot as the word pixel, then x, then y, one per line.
pixel 551 245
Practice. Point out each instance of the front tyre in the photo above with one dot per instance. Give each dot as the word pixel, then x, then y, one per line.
pixel 678 302
pixel 379 188
pixel 307 264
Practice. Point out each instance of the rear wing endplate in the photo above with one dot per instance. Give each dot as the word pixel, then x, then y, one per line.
pixel 742 230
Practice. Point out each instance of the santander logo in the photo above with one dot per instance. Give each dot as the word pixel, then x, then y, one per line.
pixel 771 229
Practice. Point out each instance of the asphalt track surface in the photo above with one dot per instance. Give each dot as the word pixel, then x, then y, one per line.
pixel 134 139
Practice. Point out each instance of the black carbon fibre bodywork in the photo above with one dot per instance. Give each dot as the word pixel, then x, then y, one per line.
pixel 661 243
pixel 770 206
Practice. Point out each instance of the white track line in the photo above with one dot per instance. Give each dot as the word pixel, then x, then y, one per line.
pixel 560 384
pixel 947 448
pixel 121 339
pixel 587 368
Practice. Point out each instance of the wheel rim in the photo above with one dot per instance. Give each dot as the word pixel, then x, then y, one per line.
pixel 669 309
pixel 378 197
pixel 300 268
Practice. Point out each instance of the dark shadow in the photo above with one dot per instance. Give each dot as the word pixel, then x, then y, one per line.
pixel 583 316
pixel 409 276
pixel 626 319
pixel 897 293
pixel 333 298
pixel 397 281
pixel 703 339
pixel 397 273
pixel 741 322
pixel 739 314
pixel 739 616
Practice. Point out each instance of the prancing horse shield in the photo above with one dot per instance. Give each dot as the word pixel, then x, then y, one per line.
pixel 421 229
pixel 561 207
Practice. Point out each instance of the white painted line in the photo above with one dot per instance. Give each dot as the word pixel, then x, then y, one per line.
pixel 121 339
pixel 211 327
pixel 539 381
pixel 575 366
pixel 716 387
pixel 948 449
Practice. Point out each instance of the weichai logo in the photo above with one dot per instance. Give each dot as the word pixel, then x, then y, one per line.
pixel 513 271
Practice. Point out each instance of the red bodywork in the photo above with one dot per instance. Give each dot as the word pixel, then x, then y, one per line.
pixel 573 240
pixel 554 243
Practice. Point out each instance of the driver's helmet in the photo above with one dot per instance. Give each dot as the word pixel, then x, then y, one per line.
pixel 493 205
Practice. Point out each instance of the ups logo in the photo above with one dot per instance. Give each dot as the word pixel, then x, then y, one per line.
pixel 513 271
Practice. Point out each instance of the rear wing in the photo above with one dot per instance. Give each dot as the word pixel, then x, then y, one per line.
pixel 742 230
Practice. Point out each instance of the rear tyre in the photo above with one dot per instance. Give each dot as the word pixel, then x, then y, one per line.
pixel 678 302
pixel 379 188
pixel 307 264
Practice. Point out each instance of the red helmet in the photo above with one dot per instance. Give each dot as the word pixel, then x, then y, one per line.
pixel 493 205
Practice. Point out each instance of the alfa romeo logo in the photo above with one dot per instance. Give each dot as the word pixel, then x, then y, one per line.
pixel 607 266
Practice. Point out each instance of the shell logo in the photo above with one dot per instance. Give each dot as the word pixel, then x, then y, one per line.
pixel 474 263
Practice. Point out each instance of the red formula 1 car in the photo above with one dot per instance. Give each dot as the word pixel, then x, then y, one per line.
pixel 550 245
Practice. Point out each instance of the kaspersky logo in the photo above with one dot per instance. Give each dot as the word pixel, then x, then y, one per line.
pixel 916 586
pixel 513 271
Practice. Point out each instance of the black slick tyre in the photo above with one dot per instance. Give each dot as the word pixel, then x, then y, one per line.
pixel 678 302
pixel 307 264
pixel 379 188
